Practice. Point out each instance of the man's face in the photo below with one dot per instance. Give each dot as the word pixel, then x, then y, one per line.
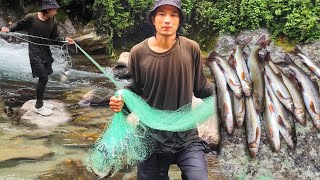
pixel 166 20
pixel 51 12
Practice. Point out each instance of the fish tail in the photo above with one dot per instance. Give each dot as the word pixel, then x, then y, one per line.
pixel 243 42
pixel 296 51
pixel 212 56
pixel 263 42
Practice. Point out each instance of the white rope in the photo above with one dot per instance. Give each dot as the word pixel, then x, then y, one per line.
pixel 63 55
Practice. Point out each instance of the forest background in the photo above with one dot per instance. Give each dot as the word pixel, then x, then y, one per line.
pixel 290 22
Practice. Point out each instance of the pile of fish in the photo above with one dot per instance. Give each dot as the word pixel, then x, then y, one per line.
pixel 252 89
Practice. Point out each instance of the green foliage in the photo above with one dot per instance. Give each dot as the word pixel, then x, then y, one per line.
pixel 294 21
pixel 121 17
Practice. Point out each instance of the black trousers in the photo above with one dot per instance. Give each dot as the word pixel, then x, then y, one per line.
pixel 191 161
pixel 42 70
pixel 41 87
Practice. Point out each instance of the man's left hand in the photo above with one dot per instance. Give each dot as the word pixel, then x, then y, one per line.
pixel 70 41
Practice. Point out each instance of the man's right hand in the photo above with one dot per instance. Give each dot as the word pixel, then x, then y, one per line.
pixel 5 29
pixel 116 103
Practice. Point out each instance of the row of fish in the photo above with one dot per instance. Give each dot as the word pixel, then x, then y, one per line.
pixel 253 89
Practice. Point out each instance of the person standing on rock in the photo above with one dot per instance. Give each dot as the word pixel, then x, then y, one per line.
pixel 166 71
pixel 41 26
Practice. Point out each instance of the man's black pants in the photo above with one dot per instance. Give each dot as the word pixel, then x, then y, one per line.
pixel 191 161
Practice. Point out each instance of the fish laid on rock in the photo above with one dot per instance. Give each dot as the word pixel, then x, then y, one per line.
pixel 270 120
pixel 238 62
pixel 286 128
pixel 239 109
pixel 223 94
pixel 256 74
pixel 307 61
pixel 309 91
pixel 253 127
pixel 229 74
pixel 277 86
pixel 299 107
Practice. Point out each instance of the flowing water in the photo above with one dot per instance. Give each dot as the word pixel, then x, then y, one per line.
pixel 17 85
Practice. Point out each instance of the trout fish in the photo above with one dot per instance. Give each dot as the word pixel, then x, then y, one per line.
pixel 229 74
pixel 307 61
pixel 286 128
pixel 256 74
pixel 253 127
pixel 224 99
pixel 309 91
pixel 298 103
pixel 270 120
pixel 277 86
pixel 238 62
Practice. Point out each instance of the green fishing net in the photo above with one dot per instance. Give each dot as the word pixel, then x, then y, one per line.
pixel 129 140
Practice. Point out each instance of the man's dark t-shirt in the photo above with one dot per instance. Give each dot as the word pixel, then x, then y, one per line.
pixel 168 81
pixel 39 51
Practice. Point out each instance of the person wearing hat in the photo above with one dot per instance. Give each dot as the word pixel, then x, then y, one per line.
pixel 44 25
pixel 166 71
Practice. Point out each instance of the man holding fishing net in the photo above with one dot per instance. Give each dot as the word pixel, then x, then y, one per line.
pixel 167 70
pixel 42 29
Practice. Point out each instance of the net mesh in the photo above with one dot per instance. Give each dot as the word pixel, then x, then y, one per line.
pixel 127 141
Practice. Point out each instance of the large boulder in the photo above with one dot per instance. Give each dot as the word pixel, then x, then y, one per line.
pixel 30 118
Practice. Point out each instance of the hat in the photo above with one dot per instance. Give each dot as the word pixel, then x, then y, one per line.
pixel 175 3
pixel 49 4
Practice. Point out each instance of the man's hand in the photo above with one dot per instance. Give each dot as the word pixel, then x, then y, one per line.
pixel 70 41
pixel 116 103
pixel 5 29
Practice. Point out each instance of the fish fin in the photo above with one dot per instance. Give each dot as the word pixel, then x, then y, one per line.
pixel 257 134
pixel 270 107
pixel 268 79
pixel 243 42
pixel 232 62
pixel 300 86
pixel 246 41
pixel 311 105
pixel 243 106
pixel 270 132
pixel 297 51
pixel 263 42
pixel 279 94
pixel 280 122
pixel 231 82
pixel 206 61
pixel 226 108
pixel 212 56
pixel 242 76
pixel 312 69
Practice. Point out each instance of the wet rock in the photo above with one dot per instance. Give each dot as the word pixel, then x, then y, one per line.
pixel 96 97
pixel 92 42
pixel 124 58
pixel 3 112
pixel 69 169
pixel 30 118
pixel 76 137
pixel 23 152
pixel 66 27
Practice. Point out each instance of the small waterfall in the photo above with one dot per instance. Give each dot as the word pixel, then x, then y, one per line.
pixel 15 65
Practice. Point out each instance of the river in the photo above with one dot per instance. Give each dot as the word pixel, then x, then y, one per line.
pixel 64 148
